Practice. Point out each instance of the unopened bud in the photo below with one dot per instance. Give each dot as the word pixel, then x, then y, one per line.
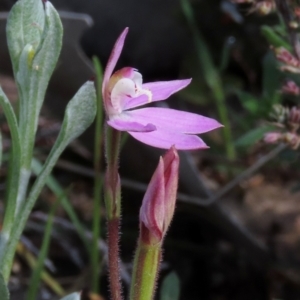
pixel 290 87
pixel 291 139
pixel 297 11
pixel 294 115
pixel 293 25
pixel 279 113
pixel 272 137
pixel 159 201
pixel 264 7
pixel 291 63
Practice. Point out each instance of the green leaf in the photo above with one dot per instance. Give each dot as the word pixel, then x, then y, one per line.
pixel 25 26
pixel 272 76
pixel 74 296
pixel 15 161
pixel 211 77
pixel 249 102
pixel 274 38
pixel 80 113
pixel 35 69
pixel 98 136
pixel 4 294
pixel 170 287
pixel 46 56
pixel 253 136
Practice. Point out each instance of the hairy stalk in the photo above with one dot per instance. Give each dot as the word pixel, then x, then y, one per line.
pixel 112 196
pixel 145 270
pixel 113 258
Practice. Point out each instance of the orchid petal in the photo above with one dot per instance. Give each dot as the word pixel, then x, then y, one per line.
pixel 166 139
pixel 124 125
pixel 114 56
pixel 129 103
pixel 162 90
pixel 173 120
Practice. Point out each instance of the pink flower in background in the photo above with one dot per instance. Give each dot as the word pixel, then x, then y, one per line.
pixel 290 87
pixel 157 127
pixel 158 205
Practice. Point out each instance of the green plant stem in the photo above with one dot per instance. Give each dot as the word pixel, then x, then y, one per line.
pixel 211 77
pixel 146 265
pixel 95 254
pixel 112 197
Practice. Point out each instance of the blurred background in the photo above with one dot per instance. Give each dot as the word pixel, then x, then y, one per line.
pixel 235 233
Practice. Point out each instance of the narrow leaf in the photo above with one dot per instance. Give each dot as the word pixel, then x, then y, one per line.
pixel 274 38
pixel 95 254
pixel 15 161
pixel 253 136
pixel 272 76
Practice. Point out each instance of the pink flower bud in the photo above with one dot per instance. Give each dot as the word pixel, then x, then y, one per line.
pixel 290 87
pixel 272 137
pixel 291 63
pixel 294 115
pixel 159 201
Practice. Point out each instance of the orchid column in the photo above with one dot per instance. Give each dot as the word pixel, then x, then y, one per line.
pixel 122 92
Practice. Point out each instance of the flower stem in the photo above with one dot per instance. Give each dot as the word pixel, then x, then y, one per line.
pixel 113 258
pixel 112 197
pixel 146 264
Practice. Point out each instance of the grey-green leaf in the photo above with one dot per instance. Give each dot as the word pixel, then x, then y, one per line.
pixel 25 26
pixel 4 294
pixel 46 56
pixel 170 289
pixel 36 67
pixel 74 296
pixel 80 113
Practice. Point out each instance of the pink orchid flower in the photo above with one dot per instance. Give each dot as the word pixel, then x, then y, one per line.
pixel 157 127
pixel 158 205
